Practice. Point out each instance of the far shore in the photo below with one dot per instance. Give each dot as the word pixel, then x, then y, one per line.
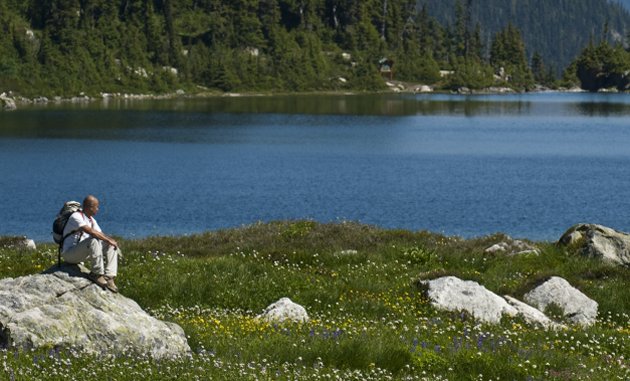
pixel 393 87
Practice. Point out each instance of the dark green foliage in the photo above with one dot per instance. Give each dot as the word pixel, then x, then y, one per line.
pixel 557 29
pixel 603 67
pixel 365 76
pixel 415 67
pixel 507 56
pixel 470 73
pixel 542 74
pixel 66 47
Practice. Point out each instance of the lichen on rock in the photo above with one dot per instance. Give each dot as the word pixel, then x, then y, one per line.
pixel 61 307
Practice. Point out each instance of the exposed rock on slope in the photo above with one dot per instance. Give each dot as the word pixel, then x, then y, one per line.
pixel 600 242
pixel 63 308
pixel 531 314
pixel 513 247
pixel 453 294
pixel 577 307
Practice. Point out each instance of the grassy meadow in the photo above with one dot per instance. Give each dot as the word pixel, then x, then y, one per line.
pixel 369 317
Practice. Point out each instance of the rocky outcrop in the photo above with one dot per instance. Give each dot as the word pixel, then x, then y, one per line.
pixel 7 103
pixel 577 307
pixel 453 294
pixel 284 310
pixel 513 247
pixel 423 89
pixel 600 242
pixel 63 308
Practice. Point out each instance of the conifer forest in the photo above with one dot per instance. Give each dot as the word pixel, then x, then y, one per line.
pixel 67 47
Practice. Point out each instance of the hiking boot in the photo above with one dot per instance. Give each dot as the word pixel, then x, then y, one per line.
pixel 98 279
pixel 111 285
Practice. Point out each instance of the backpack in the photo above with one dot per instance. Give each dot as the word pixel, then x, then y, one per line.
pixel 61 221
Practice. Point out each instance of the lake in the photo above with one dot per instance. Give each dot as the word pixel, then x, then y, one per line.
pixel 528 165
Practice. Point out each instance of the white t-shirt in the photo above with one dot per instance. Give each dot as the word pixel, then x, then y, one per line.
pixel 77 220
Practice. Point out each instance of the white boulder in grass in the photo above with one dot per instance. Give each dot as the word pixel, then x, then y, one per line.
pixel 577 307
pixel 531 314
pixel 284 310
pixel 599 241
pixel 513 247
pixel 28 244
pixel 62 308
pixel 453 294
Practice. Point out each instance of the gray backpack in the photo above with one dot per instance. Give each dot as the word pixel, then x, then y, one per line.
pixel 61 221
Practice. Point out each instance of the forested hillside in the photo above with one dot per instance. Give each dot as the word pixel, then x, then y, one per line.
pixel 65 47
pixel 556 29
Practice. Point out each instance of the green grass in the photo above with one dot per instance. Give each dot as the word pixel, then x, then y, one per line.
pixel 369 317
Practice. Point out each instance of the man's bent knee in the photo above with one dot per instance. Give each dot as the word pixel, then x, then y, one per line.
pixel 95 245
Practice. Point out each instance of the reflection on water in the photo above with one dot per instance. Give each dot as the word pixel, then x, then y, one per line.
pixel 105 117
pixel 378 104
pixel 602 109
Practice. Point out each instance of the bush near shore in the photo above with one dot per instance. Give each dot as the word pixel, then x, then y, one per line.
pixel 369 319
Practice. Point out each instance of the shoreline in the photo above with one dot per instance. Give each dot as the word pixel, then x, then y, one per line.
pixel 10 101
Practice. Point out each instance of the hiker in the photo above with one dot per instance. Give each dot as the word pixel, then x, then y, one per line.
pixel 86 241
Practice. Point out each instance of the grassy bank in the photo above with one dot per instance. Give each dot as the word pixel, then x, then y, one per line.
pixel 369 320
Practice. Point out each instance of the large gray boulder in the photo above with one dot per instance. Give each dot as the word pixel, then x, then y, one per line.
pixel 600 242
pixel 453 294
pixel 577 307
pixel 284 310
pixel 63 308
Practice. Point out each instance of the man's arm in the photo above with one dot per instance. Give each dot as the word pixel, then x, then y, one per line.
pixel 95 233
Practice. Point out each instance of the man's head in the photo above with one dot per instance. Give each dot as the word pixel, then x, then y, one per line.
pixel 90 206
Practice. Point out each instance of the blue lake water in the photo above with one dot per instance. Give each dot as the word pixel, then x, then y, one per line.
pixel 529 165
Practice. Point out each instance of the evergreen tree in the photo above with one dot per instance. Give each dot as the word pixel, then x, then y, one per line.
pixel 508 58
pixel 9 55
pixel 71 46
pixel 538 68
pixel 602 67
pixel 557 29
pixel 470 73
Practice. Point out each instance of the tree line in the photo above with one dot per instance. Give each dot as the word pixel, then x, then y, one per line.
pixel 65 47
pixel 556 30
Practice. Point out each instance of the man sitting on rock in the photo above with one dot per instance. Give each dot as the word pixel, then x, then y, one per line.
pixel 86 241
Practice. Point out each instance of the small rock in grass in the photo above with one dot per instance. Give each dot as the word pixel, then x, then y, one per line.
pixel 348 252
pixel 513 247
pixel 284 310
